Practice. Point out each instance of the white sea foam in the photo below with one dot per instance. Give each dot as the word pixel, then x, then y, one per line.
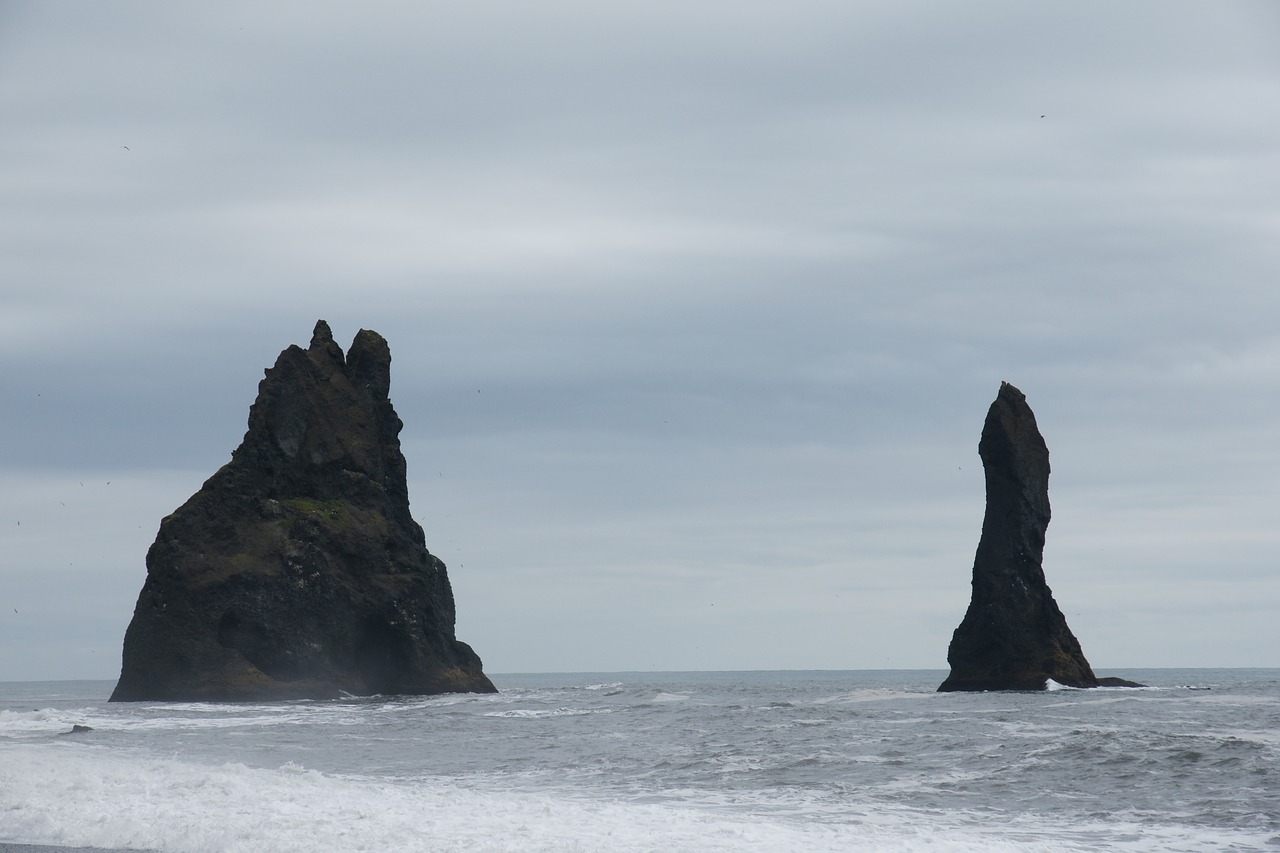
pixel 871 695
pixel 29 722
pixel 663 696
pixel 539 714
pixel 83 796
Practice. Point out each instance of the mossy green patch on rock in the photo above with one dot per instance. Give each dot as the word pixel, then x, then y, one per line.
pixel 330 509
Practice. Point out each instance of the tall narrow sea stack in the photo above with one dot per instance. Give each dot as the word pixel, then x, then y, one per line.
pixel 1013 636
pixel 297 571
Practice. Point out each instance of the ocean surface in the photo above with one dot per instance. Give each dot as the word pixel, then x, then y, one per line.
pixel 702 761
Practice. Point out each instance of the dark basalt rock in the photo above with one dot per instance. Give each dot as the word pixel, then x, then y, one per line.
pixel 1013 636
pixel 297 571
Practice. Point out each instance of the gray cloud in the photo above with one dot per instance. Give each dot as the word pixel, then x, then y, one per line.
pixel 735 287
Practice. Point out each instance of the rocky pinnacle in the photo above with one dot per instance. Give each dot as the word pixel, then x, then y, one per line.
pixel 296 571
pixel 1013 636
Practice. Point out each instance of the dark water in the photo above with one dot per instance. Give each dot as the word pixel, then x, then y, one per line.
pixel 659 761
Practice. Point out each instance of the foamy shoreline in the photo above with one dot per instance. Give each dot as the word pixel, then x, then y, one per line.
pixel 55 848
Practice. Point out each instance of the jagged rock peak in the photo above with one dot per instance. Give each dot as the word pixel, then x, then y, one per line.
pixel 322 343
pixel 369 363
pixel 321 335
pixel 1014 636
pixel 297 570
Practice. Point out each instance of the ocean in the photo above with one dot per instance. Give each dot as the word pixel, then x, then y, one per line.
pixel 657 761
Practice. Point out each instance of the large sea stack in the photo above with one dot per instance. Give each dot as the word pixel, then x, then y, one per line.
pixel 1013 636
pixel 296 571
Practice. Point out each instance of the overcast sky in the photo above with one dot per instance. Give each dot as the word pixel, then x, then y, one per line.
pixel 696 309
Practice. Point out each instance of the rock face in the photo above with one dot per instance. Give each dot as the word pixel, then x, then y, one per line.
pixel 297 571
pixel 1013 636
